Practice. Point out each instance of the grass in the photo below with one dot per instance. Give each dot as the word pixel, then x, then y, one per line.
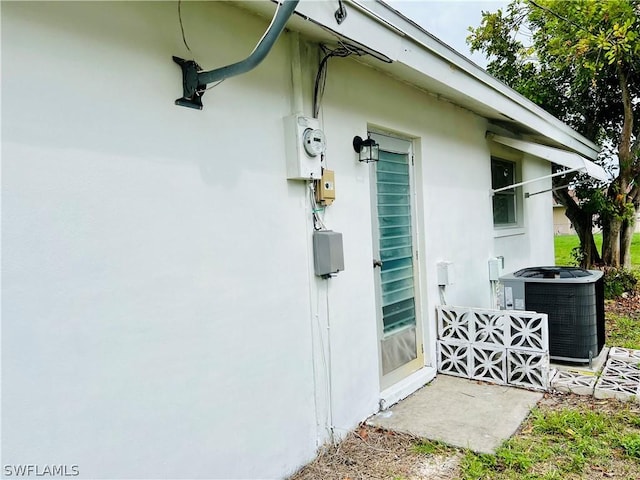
pixel 565 243
pixel 623 331
pixel 580 441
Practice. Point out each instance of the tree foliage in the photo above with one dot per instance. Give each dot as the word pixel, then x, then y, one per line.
pixel 580 61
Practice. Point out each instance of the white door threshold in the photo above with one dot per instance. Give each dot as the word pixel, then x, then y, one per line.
pixel 406 386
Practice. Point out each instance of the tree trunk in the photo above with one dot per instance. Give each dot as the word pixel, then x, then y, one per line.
pixel 605 238
pixel 621 225
pixel 588 247
pixel 626 235
pixel 629 226
pixel 583 224
pixel 611 242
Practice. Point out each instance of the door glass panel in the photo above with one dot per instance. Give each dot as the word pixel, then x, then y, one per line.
pixel 396 246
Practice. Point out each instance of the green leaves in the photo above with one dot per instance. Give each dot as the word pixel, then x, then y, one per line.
pixel 580 61
pixel 561 43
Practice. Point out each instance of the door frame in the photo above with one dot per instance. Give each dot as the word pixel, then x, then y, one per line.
pixel 404 145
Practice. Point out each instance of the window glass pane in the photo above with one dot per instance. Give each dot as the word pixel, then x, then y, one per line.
pixel 504 209
pixel 503 174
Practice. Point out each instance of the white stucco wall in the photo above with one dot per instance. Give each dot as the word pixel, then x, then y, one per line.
pixel 532 244
pixel 154 323
pixel 159 315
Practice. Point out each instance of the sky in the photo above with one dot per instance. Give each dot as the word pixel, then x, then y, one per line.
pixel 449 20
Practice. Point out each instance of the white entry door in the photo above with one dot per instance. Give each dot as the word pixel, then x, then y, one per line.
pixel 395 264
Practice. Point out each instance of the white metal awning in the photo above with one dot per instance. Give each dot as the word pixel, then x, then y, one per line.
pixel 573 161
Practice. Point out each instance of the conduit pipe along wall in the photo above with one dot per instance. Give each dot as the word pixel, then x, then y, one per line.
pixel 194 81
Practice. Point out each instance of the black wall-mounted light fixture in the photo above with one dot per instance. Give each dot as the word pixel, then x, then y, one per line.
pixel 368 150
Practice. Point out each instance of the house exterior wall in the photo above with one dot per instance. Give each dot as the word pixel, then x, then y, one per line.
pixel 534 244
pixel 561 224
pixel 149 251
pixel 160 316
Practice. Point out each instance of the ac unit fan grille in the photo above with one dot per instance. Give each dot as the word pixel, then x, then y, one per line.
pixel 576 321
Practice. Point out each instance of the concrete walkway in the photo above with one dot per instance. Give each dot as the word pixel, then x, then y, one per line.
pixel 460 412
pixel 481 416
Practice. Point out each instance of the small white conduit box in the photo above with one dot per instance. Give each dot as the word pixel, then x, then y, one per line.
pixel 304 145
pixel 445 274
pixel 328 256
pixel 496 265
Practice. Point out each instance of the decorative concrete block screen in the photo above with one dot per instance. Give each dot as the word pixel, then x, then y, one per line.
pixel 498 346
pixel 620 377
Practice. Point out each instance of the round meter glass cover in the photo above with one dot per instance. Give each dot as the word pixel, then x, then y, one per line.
pixel 314 142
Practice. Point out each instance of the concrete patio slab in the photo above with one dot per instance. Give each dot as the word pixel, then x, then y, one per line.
pixel 460 412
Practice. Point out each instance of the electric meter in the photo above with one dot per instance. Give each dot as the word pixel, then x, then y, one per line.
pixel 304 144
pixel 314 141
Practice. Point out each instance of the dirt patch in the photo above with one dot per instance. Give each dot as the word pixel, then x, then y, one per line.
pixel 438 467
pixel 561 401
pixel 627 305
pixel 371 453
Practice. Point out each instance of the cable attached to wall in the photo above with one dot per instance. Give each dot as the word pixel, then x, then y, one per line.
pixel 318 223
pixel 184 40
pixel 343 51
pixel 494 294
pixel 443 299
pixel 341 13
pixel 198 92
pixel 323 330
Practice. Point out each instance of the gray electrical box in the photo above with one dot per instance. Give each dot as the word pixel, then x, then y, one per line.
pixel 328 256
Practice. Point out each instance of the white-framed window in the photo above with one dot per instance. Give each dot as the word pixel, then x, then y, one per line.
pixel 506 203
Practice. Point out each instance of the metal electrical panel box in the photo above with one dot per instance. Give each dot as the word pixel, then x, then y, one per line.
pixel 328 256
pixel 304 144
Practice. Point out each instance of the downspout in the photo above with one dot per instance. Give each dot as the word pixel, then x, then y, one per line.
pixel 194 81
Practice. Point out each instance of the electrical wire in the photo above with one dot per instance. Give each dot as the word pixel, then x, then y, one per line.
pixel 181 26
pixel 330 371
pixel 494 294
pixel 325 357
pixel 214 85
pixel 318 223
pixel 275 14
pixel 343 51
pixel 443 299
pixel 560 17
pixel 184 39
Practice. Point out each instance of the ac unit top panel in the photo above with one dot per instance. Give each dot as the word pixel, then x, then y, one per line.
pixel 553 274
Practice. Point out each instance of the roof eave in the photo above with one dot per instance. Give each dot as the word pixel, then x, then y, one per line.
pixel 421 59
